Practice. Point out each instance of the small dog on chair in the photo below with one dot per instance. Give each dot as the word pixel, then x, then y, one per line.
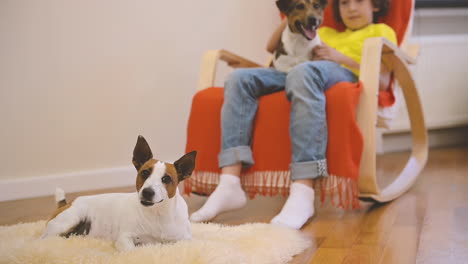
pixel 300 35
pixel 155 213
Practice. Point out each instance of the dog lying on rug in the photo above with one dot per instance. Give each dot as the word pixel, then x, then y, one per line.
pixel 300 35
pixel 155 213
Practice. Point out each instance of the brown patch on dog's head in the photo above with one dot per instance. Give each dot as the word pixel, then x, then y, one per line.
pixel 144 173
pixel 170 180
pixel 304 16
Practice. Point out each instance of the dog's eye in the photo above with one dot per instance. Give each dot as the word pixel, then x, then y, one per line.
pixel 300 7
pixel 166 179
pixel 145 174
pixel 316 6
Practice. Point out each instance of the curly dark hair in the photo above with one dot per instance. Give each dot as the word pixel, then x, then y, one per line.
pixel 382 5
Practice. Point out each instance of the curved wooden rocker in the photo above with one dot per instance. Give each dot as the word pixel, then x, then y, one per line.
pixel 377 50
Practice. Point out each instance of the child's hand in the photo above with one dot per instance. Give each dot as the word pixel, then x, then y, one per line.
pixel 325 52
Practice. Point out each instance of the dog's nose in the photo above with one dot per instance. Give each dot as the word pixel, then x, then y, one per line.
pixel 148 194
pixel 313 21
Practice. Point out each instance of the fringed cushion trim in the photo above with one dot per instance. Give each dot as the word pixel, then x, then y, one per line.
pixel 265 183
pixel 342 192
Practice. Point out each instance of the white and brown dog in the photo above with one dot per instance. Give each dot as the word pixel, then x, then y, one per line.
pixel 300 35
pixel 155 213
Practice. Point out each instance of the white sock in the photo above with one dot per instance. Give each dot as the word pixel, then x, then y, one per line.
pixel 298 208
pixel 228 195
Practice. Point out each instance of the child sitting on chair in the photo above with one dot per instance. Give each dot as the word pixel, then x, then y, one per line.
pixel 336 60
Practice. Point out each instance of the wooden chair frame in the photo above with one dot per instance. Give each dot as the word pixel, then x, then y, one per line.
pixel 375 52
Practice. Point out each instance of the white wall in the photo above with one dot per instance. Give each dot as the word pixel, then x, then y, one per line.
pixel 441 69
pixel 80 80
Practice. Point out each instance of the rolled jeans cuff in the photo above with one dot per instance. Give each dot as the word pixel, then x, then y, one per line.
pixel 309 170
pixel 231 156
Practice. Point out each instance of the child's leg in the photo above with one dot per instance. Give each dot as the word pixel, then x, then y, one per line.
pixel 241 92
pixel 227 196
pixel 299 206
pixel 305 87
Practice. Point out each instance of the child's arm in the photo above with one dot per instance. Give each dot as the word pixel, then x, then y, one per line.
pixel 325 52
pixel 275 38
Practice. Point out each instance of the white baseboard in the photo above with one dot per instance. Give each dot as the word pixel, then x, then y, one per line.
pixel 444 137
pixel 70 182
pixel 125 176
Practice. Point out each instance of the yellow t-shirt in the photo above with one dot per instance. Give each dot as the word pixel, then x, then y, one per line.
pixel 350 42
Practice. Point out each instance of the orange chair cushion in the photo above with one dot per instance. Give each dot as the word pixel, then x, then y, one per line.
pixel 271 145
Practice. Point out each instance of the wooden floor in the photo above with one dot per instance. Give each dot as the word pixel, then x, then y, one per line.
pixel 429 224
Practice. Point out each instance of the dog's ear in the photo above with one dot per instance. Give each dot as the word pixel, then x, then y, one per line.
pixel 142 153
pixel 283 6
pixel 324 3
pixel 185 165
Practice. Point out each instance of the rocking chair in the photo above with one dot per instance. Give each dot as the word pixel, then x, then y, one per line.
pixel 207 104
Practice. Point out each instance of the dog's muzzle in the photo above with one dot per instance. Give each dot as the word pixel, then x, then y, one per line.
pixel 308 30
pixel 147 196
pixel 147 203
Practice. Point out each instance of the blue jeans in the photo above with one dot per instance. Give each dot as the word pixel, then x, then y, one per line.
pixel 305 87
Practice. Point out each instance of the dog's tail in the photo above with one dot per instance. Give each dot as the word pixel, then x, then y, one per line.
pixel 60 197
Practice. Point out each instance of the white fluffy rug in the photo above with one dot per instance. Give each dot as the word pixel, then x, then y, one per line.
pixel 211 243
